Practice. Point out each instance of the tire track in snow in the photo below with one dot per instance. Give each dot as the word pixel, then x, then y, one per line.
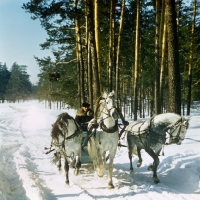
pixel 27 169
pixel 10 183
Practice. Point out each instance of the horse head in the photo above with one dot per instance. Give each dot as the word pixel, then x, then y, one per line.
pixel 184 127
pixel 59 132
pixel 178 134
pixel 109 105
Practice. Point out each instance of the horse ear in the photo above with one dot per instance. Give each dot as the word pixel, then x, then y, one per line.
pixel 186 122
pixel 104 95
pixel 112 94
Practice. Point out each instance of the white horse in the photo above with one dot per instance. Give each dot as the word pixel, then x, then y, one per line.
pixel 105 138
pixel 152 134
pixel 66 137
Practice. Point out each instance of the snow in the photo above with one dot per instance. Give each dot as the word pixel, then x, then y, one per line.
pixel 26 172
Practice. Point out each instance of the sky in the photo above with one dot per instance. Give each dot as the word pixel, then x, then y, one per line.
pixel 26 172
pixel 20 37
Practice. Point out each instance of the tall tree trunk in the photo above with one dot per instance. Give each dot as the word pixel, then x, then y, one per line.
pixel 173 59
pixel 163 53
pixel 191 61
pixel 137 46
pixel 90 16
pixel 96 14
pixel 90 78
pixel 79 77
pixel 111 45
pixel 80 57
pixel 89 65
pixel 157 60
pixel 118 51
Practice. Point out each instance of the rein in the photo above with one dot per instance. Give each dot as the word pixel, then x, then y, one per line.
pixel 179 122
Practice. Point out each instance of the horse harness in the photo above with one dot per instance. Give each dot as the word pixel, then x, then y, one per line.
pixel 77 132
pixel 103 126
pixel 173 126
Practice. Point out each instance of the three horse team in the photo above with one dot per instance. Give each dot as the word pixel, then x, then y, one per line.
pixel 103 136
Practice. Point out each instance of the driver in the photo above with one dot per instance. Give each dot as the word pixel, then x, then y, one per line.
pixel 84 115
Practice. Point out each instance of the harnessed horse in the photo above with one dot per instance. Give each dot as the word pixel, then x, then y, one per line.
pixel 66 136
pixel 106 137
pixel 151 135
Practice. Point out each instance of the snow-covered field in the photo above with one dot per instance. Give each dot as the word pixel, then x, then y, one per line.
pixel 26 171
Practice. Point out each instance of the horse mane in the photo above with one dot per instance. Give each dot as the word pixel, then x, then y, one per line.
pixel 55 131
pixel 63 117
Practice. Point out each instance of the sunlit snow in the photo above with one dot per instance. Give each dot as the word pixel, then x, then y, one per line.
pixel 26 172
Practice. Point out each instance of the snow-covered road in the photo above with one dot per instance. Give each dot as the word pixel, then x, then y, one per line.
pixel 26 171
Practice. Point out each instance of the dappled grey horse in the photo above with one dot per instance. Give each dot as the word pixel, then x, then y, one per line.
pixel 66 137
pixel 152 134
pixel 106 137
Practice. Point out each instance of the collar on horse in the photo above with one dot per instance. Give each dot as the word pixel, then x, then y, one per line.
pixel 109 130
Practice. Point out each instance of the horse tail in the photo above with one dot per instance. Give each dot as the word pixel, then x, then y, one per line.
pixel 132 147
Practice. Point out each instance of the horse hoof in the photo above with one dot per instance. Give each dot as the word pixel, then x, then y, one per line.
pixel 139 164
pixel 59 169
pixel 76 172
pixel 67 183
pixel 156 180
pixel 150 168
pixel 131 171
pixel 110 185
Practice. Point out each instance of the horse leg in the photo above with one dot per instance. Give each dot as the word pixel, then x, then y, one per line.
pixel 66 171
pixel 110 168
pixel 139 162
pixel 101 165
pixel 77 165
pixel 155 165
pixel 131 149
pixel 157 153
pixel 58 158
pixel 59 165
pixel 130 158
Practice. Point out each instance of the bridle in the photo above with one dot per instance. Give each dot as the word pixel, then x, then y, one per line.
pixel 179 124
pixel 106 108
pixel 107 113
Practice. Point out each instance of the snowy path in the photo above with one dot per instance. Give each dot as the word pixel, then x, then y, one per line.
pixel 26 171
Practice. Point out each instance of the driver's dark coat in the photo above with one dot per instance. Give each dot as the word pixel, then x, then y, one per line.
pixel 83 117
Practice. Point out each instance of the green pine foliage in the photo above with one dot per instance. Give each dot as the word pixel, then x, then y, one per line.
pixel 4 78
pixel 14 84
